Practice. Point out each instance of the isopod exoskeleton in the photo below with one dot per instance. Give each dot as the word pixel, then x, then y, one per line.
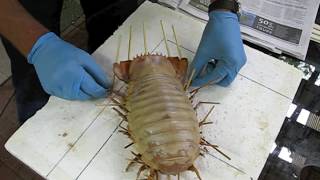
pixel 162 122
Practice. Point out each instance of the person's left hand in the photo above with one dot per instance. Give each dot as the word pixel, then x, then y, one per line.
pixel 221 41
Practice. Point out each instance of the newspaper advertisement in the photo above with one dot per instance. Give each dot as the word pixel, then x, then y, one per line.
pixel 279 25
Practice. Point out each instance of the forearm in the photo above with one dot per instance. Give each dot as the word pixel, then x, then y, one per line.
pixel 18 26
pixel 211 1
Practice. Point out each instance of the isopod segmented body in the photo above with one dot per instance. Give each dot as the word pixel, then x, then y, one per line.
pixel 161 119
pixel 162 123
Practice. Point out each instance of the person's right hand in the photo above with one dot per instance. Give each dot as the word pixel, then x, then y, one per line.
pixel 66 71
pixel 221 41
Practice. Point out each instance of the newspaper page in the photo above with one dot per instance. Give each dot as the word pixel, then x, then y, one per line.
pixel 316 33
pixel 197 8
pixel 279 25
pixel 170 3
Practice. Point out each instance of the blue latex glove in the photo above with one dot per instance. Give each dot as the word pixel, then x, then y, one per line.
pixel 221 41
pixel 66 71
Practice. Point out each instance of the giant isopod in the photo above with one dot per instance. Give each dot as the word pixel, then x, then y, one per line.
pixel 162 122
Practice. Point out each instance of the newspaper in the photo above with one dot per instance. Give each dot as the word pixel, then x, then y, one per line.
pixel 282 26
pixel 316 33
pixel 170 3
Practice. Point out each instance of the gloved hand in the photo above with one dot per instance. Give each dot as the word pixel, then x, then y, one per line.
pixel 66 71
pixel 221 41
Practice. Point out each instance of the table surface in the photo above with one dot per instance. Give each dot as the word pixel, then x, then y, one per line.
pixel 80 140
pixel 5 70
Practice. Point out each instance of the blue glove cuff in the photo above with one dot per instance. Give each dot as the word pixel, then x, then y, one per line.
pixel 39 43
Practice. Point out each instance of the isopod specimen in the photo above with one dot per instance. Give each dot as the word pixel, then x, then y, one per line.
pixel 162 122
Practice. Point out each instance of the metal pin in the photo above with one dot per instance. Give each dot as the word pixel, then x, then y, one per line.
pixel 177 44
pixel 129 47
pixel 118 49
pixel 145 40
pixel 165 38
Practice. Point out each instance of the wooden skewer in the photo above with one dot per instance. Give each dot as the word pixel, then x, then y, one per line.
pixel 117 61
pixel 129 47
pixel 165 38
pixel 215 147
pixel 145 40
pixel 204 102
pixel 206 117
pixel 190 79
pixel 118 49
pixel 177 43
pixel 203 86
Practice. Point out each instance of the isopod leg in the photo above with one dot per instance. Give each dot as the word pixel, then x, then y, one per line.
pixel 127 133
pixel 132 162
pixel 121 106
pixel 136 159
pixel 195 170
pixel 215 147
pixel 178 176
pixel 168 177
pixel 118 92
pixel 203 122
pixel 192 95
pixel 124 117
pixel 128 145
pixel 203 102
pixel 203 86
pixel 142 168
pixel 153 175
